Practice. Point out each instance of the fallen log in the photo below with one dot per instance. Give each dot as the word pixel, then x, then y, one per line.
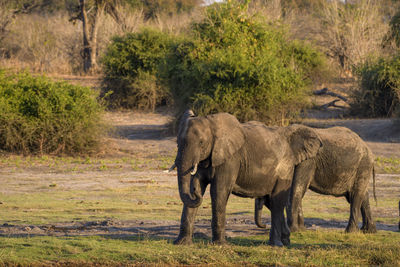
pixel 325 91
pixel 331 104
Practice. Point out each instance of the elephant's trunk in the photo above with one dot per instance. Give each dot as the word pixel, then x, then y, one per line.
pixel 190 195
pixel 259 203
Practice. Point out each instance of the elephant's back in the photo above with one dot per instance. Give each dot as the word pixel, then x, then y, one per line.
pixel 343 155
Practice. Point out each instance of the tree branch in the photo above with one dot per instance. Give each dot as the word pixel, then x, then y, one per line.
pixel 325 91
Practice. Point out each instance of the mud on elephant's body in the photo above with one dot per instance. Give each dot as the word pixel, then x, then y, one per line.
pixel 248 160
pixel 342 167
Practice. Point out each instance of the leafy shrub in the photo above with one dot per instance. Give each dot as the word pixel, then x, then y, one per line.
pixel 130 65
pixel 38 115
pixel 393 34
pixel 237 64
pixel 379 94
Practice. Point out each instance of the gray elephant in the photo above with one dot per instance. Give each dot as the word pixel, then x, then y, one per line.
pixel 342 167
pixel 247 160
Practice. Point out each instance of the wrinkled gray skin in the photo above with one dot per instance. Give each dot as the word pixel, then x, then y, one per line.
pixel 248 160
pixel 342 167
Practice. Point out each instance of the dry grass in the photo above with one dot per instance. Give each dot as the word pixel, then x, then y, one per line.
pixel 52 44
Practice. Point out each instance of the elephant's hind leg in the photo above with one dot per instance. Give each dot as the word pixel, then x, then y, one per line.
pixel 355 206
pixel 368 225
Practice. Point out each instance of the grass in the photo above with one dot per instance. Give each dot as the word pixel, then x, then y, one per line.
pixel 37 191
pixel 311 248
pixel 80 164
pixel 388 165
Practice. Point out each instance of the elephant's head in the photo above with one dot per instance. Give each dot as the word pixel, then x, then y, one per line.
pixel 214 138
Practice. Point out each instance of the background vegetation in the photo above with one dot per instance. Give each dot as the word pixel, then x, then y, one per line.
pixel 380 88
pixel 256 59
pixel 38 115
pixel 238 64
pixel 130 66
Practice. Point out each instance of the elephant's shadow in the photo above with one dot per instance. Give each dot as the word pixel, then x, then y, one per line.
pixel 144 231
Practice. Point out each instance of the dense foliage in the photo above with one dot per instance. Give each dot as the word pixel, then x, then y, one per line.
pixel 379 95
pixel 130 65
pixel 238 64
pixel 38 115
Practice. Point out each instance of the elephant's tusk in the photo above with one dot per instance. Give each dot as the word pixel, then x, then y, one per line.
pixel 193 172
pixel 172 167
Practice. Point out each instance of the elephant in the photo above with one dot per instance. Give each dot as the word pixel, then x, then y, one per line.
pixel 342 167
pixel 245 159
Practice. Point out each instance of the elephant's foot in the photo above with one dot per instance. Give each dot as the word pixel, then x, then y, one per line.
pixel 369 229
pixel 286 241
pixel 184 240
pixel 276 243
pixel 351 228
pixel 297 228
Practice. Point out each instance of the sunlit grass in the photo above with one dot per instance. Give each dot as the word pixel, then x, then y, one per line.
pixel 315 248
pixel 388 165
pixel 46 194
pixel 79 164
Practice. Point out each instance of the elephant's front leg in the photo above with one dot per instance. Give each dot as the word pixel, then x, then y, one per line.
pixel 221 187
pixel 188 218
pixel 303 174
pixel 187 225
pixel 279 234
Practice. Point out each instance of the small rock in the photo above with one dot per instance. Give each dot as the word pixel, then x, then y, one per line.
pixel 27 228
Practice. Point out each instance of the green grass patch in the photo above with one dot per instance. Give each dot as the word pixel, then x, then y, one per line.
pixel 388 165
pixel 312 248
pixel 80 164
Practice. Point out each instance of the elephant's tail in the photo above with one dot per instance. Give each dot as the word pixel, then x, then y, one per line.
pixel 373 188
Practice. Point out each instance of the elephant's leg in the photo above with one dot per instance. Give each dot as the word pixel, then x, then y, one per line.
pixel 285 235
pixel 368 225
pixel 355 207
pixel 219 199
pixel 188 217
pixel 304 172
pixel 279 234
pixel 220 190
pixel 300 218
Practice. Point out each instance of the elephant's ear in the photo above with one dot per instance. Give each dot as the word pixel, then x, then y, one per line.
pixel 304 141
pixel 228 137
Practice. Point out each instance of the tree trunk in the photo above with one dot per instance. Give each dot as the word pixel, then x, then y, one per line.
pixel 87 62
pixel 90 37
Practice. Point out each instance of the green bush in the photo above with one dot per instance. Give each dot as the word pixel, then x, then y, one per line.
pixel 38 115
pixel 379 94
pixel 130 66
pixel 238 64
